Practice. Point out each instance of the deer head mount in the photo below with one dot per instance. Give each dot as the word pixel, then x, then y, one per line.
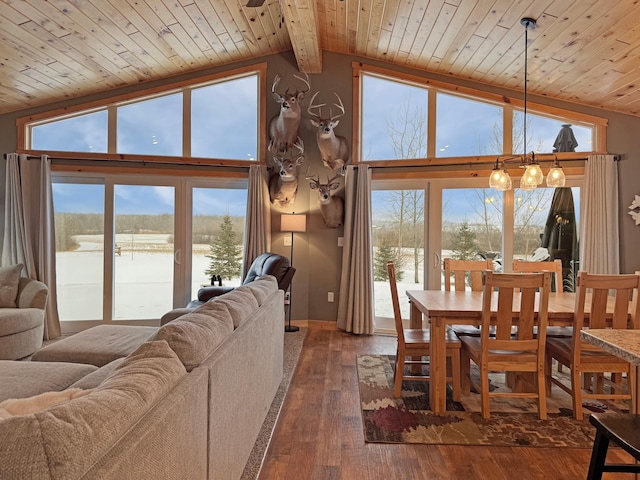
pixel 331 208
pixel 334 149
pixel 283 128
pixel 283 185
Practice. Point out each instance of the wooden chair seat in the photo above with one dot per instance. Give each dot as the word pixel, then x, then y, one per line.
pixel 624 430
pixel 419 337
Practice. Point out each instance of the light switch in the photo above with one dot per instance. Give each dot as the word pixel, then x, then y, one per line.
pixel 287 241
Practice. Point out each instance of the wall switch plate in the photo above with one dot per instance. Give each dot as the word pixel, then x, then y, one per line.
pixel 287 241
pixel 340 241
pixel 330 297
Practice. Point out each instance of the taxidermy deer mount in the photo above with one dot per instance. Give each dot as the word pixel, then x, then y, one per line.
pixel 283 185
pixel 334 149
pixel 283 128
pixel 331 208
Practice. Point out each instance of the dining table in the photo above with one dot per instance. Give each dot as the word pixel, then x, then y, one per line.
pixel 443 308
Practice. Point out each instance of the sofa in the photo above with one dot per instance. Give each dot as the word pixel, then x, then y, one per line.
pixel 22 307
pixel 187 403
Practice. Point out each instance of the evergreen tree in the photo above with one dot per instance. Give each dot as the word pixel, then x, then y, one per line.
pixel 225 253
pixel 463 243
pixel 384 254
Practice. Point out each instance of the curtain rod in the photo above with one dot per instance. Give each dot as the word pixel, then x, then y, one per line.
pixel 137 161
pixel 616 157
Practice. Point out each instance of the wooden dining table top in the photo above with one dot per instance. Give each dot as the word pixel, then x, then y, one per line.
pixel 467 306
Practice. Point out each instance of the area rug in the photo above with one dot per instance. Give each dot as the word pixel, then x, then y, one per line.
pixel 513 422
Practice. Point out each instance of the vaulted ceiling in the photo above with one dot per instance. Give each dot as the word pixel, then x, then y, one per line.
pixel 582 51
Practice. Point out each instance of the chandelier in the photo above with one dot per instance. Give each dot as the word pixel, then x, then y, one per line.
pixel 532 176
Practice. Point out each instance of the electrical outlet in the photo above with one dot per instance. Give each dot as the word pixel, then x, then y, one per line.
pixel 287 241
pixel 330 297
pixel 340 241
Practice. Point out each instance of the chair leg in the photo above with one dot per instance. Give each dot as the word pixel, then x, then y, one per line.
pixel 542 394
pixel 465 373
pixel 484 387
pixel 455 375
pixel 598 456
pixel 576 393
pixel 398 374
pixel 548 369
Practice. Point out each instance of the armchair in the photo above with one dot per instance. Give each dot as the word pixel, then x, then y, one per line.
pixel 264 264
pixel 22 327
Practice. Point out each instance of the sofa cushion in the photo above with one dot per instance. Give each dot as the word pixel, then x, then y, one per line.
pixel 262 287
pixel 195 335
pixel 98 376
pixel 16 320
pixel 25 379
pixel 47 444
pixel 96 345
pixel 9 279
pixel 241 304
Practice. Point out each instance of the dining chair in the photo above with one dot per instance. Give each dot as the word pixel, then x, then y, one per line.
pixel 592 295
pixel 415 342
pixel 555 267
pixel 523 352
pixel 461 271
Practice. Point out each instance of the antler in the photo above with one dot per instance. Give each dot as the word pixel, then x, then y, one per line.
pixel 329 182
pixel 276 81
pixel 313 107
pixel 309 177
pixel 341 107
pixel 305 81
pixel 299 145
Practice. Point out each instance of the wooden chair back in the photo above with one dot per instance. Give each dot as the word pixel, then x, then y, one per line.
pixel 555 267
pixel 515 307
pixel 597 290
pixel 459 269
pixel 397 315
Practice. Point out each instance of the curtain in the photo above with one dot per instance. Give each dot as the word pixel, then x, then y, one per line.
pixel 29 231
pixel 257 239
pixel 599 234
pixel 355 307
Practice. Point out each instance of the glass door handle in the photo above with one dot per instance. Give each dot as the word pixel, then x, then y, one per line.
pixel 177 256
pixel 436 260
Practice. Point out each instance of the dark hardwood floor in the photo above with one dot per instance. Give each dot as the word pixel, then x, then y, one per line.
pixel 319 432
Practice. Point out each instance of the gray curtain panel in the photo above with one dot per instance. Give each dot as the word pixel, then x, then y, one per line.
pixel 257 238
pixel 29 230
pixel 355 307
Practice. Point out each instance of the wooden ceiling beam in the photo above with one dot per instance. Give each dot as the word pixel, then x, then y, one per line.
pixel 301 20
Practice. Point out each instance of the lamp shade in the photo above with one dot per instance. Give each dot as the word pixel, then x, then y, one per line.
pixel 293 223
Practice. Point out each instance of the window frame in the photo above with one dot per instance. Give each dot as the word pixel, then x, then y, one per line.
pixel 25 124
pixel 483 163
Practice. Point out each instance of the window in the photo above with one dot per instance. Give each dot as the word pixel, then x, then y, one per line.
pixel 152 127
pixel 81 133
pixel 217 118
pixel 398 235
pixel 121 258
pixel 224 119
pixel 394 120
pixel 410 118
pixel 467 127
pixel 543 131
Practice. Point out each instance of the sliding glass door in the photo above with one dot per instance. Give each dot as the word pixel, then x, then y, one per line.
pixel 129 250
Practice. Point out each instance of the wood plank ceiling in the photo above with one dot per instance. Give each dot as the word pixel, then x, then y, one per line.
pixel 582 51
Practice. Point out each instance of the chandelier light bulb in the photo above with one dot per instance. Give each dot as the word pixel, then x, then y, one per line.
pixel 556 177
pixel 528 181
pixel 500 179
pixel 534 170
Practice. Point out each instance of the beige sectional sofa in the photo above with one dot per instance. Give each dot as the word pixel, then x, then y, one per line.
pixel 187 403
